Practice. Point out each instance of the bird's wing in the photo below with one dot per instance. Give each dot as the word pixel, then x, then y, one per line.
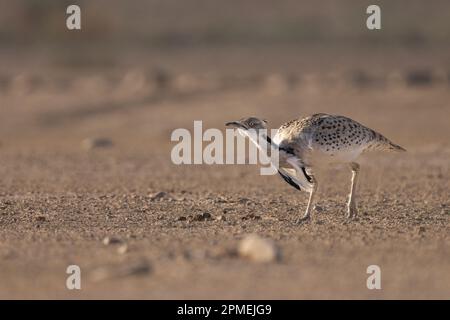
pixel 288 154
pixel 292 177
pixel 289 179
pixel 302 178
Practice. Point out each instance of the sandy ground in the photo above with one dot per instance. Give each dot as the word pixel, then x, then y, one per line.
pixel 58 201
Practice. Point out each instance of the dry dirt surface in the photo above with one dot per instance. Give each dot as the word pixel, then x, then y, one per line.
pixel 141 227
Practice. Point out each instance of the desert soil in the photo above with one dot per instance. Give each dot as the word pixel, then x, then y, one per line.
pixel 60 198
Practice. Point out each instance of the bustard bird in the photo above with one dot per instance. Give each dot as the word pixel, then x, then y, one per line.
pixel 315 141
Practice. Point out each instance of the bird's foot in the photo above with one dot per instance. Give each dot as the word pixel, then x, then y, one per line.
pixel 302 219
pixel 352 211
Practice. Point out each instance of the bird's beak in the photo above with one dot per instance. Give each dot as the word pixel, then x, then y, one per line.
pixel 234 124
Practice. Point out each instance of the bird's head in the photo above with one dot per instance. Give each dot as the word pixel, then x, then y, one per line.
pixel 248 123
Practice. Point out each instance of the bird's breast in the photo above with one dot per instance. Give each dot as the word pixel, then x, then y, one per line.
pixel 319 156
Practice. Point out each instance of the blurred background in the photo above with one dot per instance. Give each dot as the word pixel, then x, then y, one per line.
pixel 85 124
pixel 131 56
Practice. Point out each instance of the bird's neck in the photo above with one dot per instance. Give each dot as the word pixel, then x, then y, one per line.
pixel 260 138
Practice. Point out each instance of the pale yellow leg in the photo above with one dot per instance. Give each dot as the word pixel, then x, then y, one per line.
pixel 352 211
pixel 307 214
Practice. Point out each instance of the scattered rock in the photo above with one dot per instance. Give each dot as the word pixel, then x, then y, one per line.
pixel 258 249
pixel 421 229
pixel 361 78
pixel 221 199
pixel 186 255
pixel 161 77
pixel 318 208
pixel 111 240
pixel 419 77
pixel 41 219
pixel 203 216
pixel 160 196
pixel 221 218
pixel 244 200
pixel 93 143
pixel 122 249
pixel 182 218
pixel 251 216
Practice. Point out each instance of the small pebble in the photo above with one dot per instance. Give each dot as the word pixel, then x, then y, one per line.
pixel 258 249
pixel 203 216
pixel 93 143
pixel 41 218
pixel 122 249
pixel 111 240
pixel 251 216
pixel 160 196
pixel 318 208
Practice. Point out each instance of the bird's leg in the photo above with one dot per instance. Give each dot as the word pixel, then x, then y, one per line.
pixel 351 207
pixel 307 214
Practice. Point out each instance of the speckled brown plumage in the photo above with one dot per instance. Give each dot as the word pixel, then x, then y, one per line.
pixel 316 141
pixel 332 138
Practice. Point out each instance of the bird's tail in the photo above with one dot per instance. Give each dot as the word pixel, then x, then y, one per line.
pixel 381 143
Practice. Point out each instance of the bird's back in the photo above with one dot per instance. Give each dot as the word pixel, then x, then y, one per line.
pixel 332 137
